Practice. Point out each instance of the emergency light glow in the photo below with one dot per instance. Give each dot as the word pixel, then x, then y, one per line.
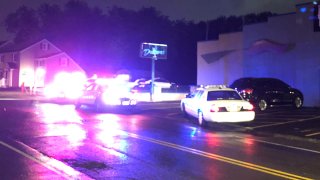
pixel 66 85
pixel 40 72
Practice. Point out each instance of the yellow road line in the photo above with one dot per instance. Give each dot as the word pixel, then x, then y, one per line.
pixel 223 158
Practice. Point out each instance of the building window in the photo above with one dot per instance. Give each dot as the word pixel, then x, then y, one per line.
pixel 44 46
pixel 64 61
pixel 15 57
pixel 39 63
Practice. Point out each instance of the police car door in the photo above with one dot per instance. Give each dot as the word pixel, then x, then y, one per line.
pixel 196 103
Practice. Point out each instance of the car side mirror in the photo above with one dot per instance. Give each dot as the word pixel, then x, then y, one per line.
pixel 189 96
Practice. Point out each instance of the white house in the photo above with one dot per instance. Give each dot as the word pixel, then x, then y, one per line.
pixel 33 64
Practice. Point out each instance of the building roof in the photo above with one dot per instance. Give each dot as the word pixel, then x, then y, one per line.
pixel 10 46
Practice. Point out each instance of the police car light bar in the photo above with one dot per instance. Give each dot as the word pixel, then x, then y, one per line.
pixel 216 86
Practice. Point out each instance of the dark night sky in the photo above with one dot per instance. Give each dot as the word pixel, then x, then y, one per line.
pixel 195 10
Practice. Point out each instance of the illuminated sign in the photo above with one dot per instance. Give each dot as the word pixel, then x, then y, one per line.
pixel 153 50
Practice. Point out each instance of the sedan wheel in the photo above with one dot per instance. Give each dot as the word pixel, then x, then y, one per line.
pixel 78 106
pixel 262 104
pixel 201 120
pixel 98 105
pixel 297 103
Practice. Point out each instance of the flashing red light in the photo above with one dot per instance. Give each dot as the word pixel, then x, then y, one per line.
pixel 214 108
pixel 247 91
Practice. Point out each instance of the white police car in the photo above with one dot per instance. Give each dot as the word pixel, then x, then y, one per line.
pixel 217 103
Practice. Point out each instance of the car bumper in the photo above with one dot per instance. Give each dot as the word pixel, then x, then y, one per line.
pixel 243 116
pixel 120 102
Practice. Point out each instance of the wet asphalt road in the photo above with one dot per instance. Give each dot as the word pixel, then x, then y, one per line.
pixel 54 141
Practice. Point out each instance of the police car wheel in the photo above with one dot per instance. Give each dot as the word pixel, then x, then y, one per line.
pixel 201 120
pixel 98 105
pixel 78 106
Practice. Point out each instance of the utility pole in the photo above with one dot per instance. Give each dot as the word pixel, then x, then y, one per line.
pixel 153 59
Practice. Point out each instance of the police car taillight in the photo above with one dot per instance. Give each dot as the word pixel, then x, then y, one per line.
pixel 134 91
pixel 248 107
pixel 214 108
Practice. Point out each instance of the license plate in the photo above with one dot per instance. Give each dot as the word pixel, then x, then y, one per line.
pixel 125 102
pixel 233 108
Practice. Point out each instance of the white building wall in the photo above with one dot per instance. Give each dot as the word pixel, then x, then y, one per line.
pixel 299 65
pixel 218 72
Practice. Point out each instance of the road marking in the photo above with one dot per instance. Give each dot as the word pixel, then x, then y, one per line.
pixel 174 114
pixel 307 130
pixel 313 134
pixel 221 158
pixel 282 145
pixel 281 123
pixel 50 163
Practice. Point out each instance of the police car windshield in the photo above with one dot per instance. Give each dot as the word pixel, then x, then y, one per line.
pixel 223 95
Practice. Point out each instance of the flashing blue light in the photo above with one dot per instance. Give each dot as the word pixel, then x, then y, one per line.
pixel 315 2
pixel 303 9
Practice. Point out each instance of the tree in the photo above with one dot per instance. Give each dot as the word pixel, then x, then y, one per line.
pixel 109 42
pixel 24 24
pixel 50 20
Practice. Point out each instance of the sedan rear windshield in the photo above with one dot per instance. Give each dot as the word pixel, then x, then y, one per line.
pixel 223 95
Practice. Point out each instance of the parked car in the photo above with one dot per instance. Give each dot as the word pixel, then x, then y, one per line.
pixel 139 82
pixel 160 82
pixel 267 92
pixel 217 104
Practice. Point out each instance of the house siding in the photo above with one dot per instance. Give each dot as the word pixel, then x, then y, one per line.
pixel 28 56
pixel 54 66
pixel 8 74
pixel 42 54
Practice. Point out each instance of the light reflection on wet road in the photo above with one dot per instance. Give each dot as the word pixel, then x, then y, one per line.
pixel 147 145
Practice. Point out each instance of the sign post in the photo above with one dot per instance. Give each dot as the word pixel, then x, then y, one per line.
pixel 155 52
pixel 152 77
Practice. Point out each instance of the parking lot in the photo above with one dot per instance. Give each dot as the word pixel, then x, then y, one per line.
pixel 303 123
pixel 276 121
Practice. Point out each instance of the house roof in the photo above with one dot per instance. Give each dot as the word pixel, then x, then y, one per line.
pixel 10 46
pixel 2 42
